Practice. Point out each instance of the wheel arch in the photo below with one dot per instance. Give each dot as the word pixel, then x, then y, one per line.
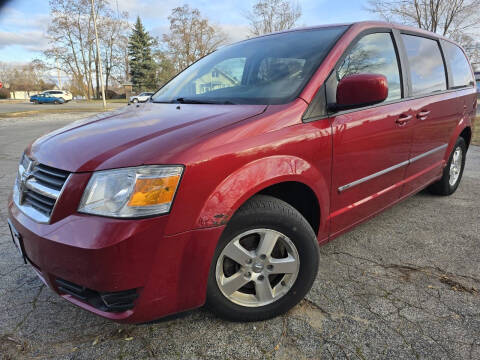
pixel 300 196
pixel 466 134
pixel 280 176
pixel 464 130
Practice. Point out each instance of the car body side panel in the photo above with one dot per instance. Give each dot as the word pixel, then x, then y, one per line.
pixel 466 120
pixel 367 142
pixel 272 153
pixel 431 133
pixel 256 176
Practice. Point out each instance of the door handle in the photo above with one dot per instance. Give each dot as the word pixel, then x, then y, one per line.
pixel 422 115
pixel 403 119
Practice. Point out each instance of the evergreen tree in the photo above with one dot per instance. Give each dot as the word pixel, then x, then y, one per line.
pixel 142 65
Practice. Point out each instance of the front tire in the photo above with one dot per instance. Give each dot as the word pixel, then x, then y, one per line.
pixel 453 171
pixel 135 101
pixel 265 263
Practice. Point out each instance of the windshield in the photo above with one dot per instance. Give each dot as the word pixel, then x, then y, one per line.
pixel 268 70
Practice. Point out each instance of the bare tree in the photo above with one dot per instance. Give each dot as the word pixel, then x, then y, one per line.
pixel 452 18
pixel 113 28
pixel 268 16
pixel 191 37
pixel 472 48
pixel 165 69
pixel 27 77
pixel 72 42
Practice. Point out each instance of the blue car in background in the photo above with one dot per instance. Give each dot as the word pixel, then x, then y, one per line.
pixel 43 99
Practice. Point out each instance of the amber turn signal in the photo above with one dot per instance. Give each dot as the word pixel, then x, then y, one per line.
pixel 154 191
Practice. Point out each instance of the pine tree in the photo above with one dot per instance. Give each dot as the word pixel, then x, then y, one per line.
pixel 142 64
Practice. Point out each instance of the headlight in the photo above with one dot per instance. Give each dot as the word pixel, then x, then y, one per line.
pixel 131 192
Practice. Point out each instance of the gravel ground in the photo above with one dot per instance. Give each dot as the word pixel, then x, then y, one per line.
pixel 404 285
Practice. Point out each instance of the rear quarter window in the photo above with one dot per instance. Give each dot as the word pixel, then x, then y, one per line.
pixel 459 66
pixel 427 70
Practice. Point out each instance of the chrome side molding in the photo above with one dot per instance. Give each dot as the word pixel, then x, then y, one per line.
pixel 394 167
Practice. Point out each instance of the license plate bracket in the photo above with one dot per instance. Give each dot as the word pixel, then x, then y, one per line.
pixel 17 240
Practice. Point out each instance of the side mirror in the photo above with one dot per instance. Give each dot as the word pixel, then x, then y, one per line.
pixel 361 90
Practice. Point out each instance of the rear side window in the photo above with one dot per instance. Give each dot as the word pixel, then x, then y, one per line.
pixel 374 54
pixel 461 73
pixel 427 69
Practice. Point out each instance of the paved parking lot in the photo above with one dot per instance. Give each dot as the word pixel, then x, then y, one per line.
pixel 405 285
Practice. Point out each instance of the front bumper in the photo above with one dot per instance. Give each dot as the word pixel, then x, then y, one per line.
pixel 104 255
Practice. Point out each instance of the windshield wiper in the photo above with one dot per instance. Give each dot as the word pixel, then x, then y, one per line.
pixel 183 100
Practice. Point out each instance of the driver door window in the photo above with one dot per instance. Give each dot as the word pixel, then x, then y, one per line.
pixel 374 54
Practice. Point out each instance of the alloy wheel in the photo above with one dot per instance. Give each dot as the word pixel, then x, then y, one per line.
pixel 257 267
pixel 455 166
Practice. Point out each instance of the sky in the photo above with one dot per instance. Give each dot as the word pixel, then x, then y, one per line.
pixel 23 26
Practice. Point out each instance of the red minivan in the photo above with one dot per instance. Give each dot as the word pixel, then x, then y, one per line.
pixel 221 188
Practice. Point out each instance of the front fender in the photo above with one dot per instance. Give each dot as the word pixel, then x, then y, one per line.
pixel 255 176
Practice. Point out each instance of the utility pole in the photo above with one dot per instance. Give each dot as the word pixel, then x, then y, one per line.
pixel 58 75
pixel 98 55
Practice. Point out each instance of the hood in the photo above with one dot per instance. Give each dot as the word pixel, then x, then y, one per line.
pixel 148 134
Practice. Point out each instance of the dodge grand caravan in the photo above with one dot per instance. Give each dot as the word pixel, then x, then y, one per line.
pixel 221 188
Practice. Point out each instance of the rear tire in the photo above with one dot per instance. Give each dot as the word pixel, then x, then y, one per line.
pixel 276 261
pixel 35 102
pixel 453 171
pixel 135 101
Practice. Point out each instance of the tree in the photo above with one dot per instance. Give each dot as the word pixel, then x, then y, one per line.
pixel 113 28
pixel 165 68
pixel 72 40
pixel 29 77
pixel 142 65
pixel 472 48
pixel 451 18
pixel 268 16
pixel 191 37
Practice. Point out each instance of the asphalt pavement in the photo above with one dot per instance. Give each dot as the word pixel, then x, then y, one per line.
pixel 404 285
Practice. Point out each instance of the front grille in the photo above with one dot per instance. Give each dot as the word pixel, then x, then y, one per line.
pixel 39 202
pixel 50 177
pixel 38 188
pixel 117 301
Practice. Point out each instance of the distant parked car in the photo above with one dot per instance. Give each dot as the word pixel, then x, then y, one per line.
pixel 143 97
pixel 42 98
pixel 65 95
